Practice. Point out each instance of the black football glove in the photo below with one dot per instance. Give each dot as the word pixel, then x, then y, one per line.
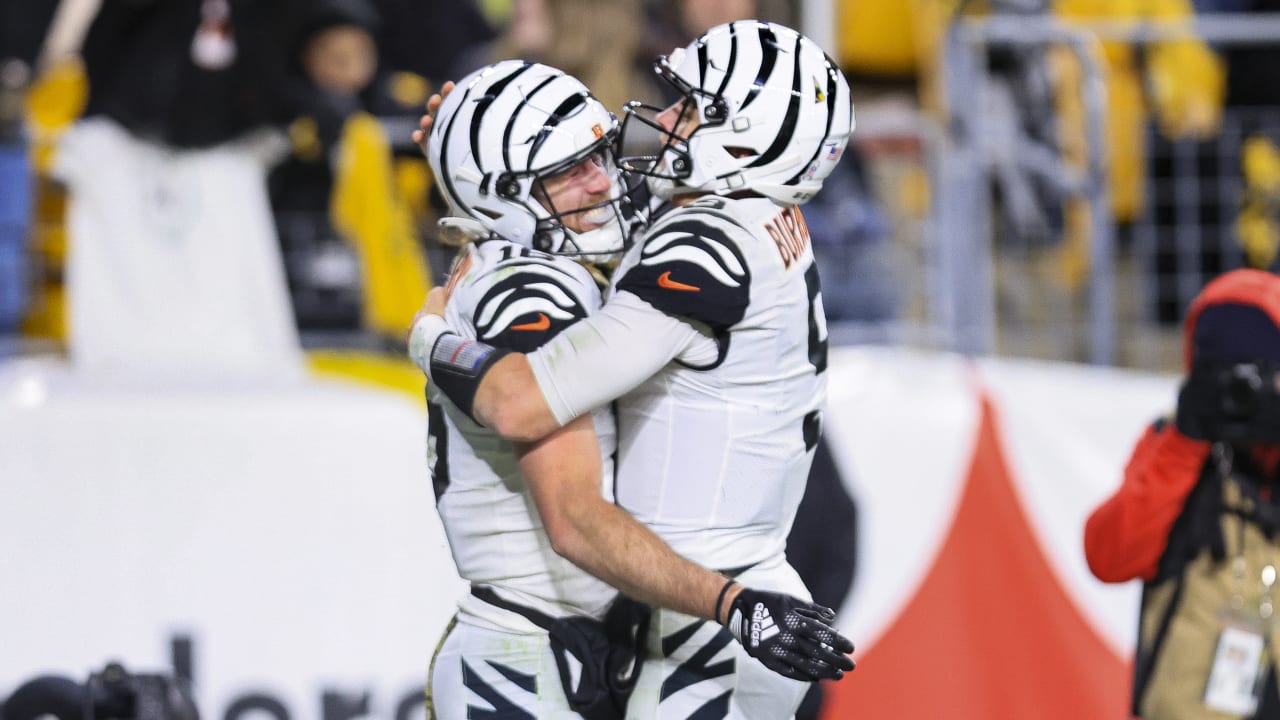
pixel 791 637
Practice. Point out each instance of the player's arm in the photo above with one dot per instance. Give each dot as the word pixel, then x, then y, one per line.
pixel 563 472
pixel 690 286
pixel 589 364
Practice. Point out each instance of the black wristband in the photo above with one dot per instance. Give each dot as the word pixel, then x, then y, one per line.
pixel 720 598
pixel 458 366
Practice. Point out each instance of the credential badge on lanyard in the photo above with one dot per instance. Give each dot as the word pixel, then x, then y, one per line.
pixel 1241 660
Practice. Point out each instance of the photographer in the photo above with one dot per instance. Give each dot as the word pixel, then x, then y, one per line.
pixel 1197 514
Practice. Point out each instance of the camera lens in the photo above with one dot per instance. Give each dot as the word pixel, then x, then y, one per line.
pixel 1243 388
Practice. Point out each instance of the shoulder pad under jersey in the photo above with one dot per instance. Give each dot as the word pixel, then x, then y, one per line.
pixel 691 267
pixel 525 302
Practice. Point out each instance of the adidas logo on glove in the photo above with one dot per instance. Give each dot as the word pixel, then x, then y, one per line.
pixel 762 625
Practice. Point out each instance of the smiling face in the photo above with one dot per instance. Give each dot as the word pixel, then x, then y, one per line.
pixel 579 194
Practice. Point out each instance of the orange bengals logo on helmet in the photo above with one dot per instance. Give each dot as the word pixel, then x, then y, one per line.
pixel 597 131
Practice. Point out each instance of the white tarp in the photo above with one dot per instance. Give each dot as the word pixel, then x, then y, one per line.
pixel 173 268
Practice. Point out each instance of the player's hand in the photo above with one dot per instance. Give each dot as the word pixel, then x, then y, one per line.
pixel 424 122
pixel 791 637
pixel 435 303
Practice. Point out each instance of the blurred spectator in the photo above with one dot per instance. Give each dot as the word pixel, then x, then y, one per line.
pixel 1258 226
pixel 352 256
pixel 1179 81
pixel 1197 517
pixel 428 38
pixel 851 234
pixel 1252 87
pixel 593 41
pixel 674 23
pixel 174 270
pixel 15 197
pixel 22 30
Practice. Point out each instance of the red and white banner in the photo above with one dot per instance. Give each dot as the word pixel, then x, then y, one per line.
pixel 289 531
pixel 974 480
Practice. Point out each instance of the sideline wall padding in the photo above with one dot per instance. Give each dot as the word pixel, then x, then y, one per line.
pixel 290 531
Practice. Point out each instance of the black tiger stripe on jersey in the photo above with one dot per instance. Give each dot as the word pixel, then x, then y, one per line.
pixel 699 666
pixel 696 281
pixel 526 308
pixel 500 707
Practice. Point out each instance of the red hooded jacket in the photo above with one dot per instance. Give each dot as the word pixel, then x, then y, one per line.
pixel 1126 535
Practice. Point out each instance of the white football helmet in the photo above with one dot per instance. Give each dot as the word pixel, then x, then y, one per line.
pixel 774 115
pixel 508 127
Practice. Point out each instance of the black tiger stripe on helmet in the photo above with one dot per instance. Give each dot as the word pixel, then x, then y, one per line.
pixel 774 115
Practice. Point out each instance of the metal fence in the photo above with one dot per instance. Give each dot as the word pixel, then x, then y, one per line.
pixel 993 278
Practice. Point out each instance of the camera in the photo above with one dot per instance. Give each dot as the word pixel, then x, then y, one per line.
pixel 1236 402
pixel 1241 390
pixel 112 694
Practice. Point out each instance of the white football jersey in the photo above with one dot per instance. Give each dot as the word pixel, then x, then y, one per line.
pixel 714 458
pixel 510 297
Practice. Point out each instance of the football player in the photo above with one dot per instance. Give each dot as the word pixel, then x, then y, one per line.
pixel 523 153
pixel 713 343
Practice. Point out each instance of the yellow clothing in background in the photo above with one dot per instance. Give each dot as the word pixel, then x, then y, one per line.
pixel 1183 86
pixel 368 210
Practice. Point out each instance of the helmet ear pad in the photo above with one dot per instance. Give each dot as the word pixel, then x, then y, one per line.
pixel 507 187
pixel 516 226
pixel 715 111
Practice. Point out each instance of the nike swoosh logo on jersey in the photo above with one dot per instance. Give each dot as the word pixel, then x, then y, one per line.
pixel 542 323
pixel 665 281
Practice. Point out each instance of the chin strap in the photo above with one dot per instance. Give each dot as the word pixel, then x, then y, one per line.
pixel 455 365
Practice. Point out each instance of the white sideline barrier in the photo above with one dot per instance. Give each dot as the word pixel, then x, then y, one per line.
pixel 291 532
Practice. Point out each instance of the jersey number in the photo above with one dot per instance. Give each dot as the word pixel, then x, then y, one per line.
pixel 817 321
pixel 509 252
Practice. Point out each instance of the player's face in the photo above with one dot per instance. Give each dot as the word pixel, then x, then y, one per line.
pixel 584 185
pixel 680 118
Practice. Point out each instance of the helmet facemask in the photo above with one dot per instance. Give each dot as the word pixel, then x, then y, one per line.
pixel 596 230
pixel 662 154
